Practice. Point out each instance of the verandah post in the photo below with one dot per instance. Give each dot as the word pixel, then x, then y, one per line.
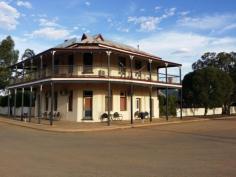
pixel 150 90
pixel 181 93
pixel 150 103
pixel 22 103
pixel 30 106
pixel 131 88
pixel 109 87
pixel 52 103
pixel 8 102
pixel 15 103
pixel 40 103
pixel 166 64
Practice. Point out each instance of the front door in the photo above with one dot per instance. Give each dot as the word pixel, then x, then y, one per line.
pixel 88 105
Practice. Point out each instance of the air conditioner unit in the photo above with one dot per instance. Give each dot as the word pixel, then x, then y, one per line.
pixel 101 73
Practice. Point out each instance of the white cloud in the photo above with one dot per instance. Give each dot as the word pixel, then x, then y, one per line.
pixel 142 10
pixel 157 8
pixel 75 28
pixel 184 48
pixel 146 23
pixel 87 3
pixel 21 43
pixel 207 22
pixel 229 27
pixel 47 22
pixel 126 30
pixel 25 4
pixel 181 51
pixel 183 13
pixel 169 12
pixel 8 16
pixel 150 23
pixel 50 33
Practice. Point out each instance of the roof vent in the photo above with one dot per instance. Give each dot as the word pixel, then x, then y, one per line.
pixel 65 40
pixel 99 36
pixel 138 46
pixel 84 36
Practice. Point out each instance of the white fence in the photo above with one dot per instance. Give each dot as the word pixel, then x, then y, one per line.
pixel 4 111
pixel 201 111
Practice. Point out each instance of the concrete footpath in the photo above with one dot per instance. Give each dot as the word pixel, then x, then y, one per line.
pixel 72 127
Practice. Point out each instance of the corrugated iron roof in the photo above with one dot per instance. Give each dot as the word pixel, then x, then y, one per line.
pixel 99 39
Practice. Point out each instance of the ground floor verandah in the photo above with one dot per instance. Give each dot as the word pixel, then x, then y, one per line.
pixel 88 102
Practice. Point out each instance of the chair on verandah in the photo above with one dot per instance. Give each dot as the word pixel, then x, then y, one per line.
pixel 117 116
pixel 104 116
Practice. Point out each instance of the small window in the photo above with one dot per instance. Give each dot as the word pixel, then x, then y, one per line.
pixel 123 101
pixel 88 93
pixel 70 101
pixel 88 63
pixel 121 62
pixel 138 64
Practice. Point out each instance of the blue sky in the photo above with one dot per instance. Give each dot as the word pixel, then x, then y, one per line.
pixel 179 31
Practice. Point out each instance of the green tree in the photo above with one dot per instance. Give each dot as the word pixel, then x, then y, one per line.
pixel 225 62
pixel 172 104
pixel 208 87
pixel 8 56
pixel 28 54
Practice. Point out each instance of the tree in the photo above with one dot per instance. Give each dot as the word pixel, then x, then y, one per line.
pixel 225 62
pixel 8 56
pixel 208 87
pixel 172 105
pixel 28 54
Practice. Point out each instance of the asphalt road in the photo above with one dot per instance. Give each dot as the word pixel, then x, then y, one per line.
pixel 198 149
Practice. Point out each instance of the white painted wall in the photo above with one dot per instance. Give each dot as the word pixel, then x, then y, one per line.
pixel 200 111
pixel 99 93
pixel 4 110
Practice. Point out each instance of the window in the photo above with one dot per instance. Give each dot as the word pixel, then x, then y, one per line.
pixel 70 63
pixel 70 101
pixel 123 101
pixel 111 102
pixel 138 64
pixel 122 65
pixel 121 62
pixel 138 104
pixel 88 63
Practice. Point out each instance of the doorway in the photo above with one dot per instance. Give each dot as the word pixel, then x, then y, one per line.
pixel 88 105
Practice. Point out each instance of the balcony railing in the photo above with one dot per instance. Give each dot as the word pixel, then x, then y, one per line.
pixel 67 71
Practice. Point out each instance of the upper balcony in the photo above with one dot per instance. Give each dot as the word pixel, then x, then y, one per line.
pixel 79 71
pixel 94 65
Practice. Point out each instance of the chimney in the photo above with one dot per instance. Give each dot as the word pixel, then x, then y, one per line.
pixel 138 46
